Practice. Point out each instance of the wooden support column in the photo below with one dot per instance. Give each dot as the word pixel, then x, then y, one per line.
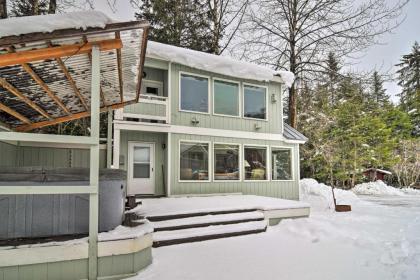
pixel 109 141
pixel 116 150
pixel 94 165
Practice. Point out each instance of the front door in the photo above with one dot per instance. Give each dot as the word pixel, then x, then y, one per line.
pixel 141 168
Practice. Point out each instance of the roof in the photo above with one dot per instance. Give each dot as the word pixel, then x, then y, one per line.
pixel 45 66
pixel 215 63
pixel 379 170
pixel 292 134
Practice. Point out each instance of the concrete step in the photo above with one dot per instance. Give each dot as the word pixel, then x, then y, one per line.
pixel 172 237
pixel 159 218
pixel 208 220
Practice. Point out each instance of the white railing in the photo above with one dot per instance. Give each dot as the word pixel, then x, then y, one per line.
pixel 158 109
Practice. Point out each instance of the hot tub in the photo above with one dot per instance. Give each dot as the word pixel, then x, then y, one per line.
pixel 24 216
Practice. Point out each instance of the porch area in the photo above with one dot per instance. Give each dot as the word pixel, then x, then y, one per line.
pixel 188 219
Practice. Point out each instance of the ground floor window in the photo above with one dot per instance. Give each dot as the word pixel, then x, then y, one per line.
pixel 255 163
pixel 281 163
pixel 226 162
pixel 194 161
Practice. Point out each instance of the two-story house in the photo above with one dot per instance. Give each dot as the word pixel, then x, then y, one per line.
pixel 207 124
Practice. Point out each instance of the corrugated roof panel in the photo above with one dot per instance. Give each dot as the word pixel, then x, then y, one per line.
pixel 292 134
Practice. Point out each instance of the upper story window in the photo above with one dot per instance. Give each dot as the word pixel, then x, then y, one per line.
pixel 226 98
pixel 255 102
pixel 194 93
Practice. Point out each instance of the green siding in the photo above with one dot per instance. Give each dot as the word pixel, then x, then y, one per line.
pixel 273 125
pixel 146 109
pixel 117 266
pixel 138 136
pixel 12 155
pixel 282 189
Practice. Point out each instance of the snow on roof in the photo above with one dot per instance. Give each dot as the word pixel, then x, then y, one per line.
pixel 48 23
pixel 217 64
pixel 380 170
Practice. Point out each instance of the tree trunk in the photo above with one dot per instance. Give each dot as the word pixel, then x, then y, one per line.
pixel 52 7
pixel 292 107
pixel 3 9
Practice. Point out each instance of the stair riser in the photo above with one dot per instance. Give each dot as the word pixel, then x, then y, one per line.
pixel 207 224
pixel 204 238
pixel 189 215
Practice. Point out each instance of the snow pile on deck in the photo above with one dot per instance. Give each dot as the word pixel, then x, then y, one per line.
pixel 217 64
pixel 49 23
pixel 320 195
pixel 380 188
pixel 122 232
pixel 207 204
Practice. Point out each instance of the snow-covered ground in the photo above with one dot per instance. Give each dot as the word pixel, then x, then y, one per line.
pixel 379 239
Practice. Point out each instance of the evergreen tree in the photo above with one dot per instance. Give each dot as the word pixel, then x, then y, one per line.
pixel 21 8
pixel 333 69
pixel 377 92
pixel 183 23
pixel 409 80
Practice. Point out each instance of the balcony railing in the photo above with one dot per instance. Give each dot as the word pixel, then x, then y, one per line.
pixel 149 108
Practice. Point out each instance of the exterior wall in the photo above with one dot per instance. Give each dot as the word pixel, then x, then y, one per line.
pixel 273 124
pixel 281 189
pixel 12 155
pixel 117 266
pixel 140 136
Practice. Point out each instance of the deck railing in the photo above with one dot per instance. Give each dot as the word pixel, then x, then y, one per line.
pixel 149 108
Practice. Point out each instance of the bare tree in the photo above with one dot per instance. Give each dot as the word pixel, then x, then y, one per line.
pixel 52 7
pixel 3 8
pixel 226 17
pixel 297 35
pixel 407 170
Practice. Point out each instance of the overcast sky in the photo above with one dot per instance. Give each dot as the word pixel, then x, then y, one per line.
pixel 382 57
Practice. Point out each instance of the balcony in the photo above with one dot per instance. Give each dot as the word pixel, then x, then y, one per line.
pixel 150 108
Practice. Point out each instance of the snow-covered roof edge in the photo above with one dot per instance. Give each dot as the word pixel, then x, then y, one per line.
pixel 380 170
pixel 217 64
pixel 16 26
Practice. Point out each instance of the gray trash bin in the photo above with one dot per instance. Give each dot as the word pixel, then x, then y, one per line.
pixel 52 215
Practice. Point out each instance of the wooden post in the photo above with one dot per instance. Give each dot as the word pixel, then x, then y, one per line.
pixel 94 164
pixel 109 141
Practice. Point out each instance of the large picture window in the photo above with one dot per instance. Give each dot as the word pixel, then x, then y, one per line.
pixel 226 162
pixel 226 98
pixel 255 163
pixel 281 164
pixel 194 93
pixel 194 161
pixel 255 102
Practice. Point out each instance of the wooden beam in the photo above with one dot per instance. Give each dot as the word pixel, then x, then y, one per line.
pixel 14 114
pixel 119 64
pixel 90 59
pixel 41 83
pixel 70 80
pixel 9 59
pixel 25 99
pixel 80 115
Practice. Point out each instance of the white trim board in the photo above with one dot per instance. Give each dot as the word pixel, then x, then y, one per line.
pixel 166 128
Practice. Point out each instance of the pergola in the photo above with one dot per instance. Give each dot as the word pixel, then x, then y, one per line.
pixel 47 78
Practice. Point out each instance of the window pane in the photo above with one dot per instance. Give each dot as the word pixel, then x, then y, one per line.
pixel 141 170
pixel 255 163
pixel 194 161
pixel 141 154
pixel 194 93
pixel 226 162
pixel 226 98
pixel 254 102
pixel 281 164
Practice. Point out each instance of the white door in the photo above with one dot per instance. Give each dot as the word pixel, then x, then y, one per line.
pixel 141 168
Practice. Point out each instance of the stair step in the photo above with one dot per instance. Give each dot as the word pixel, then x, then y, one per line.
pixel 208 220
pixel 196 214
pixel 165 238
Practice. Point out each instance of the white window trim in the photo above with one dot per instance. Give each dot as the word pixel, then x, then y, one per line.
pixel 266 102
pixel 239 145
pixel 210 169
pixel 154 83
pixel 292 162
pixel 208 92
pixel 267 160
pixel 239 98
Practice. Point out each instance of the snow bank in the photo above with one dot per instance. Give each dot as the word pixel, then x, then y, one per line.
pixel 49 23
pixel 122 232
pixel 320 195
pixel 214 63
pixel 376 188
